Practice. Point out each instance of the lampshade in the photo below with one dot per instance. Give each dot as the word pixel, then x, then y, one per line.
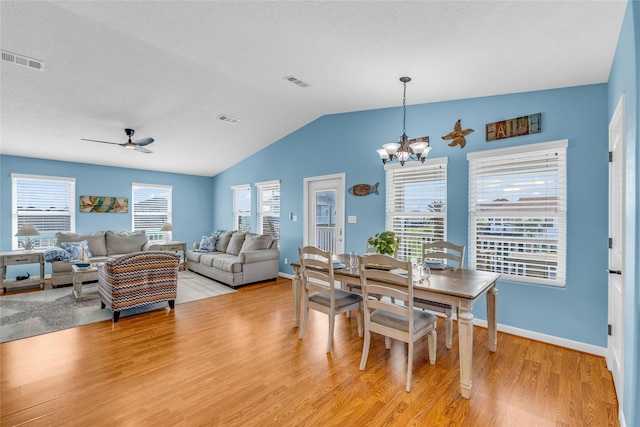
pixel 28 230
pixel 167 227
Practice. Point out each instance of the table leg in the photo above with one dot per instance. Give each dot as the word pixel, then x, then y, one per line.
pixel 465 337
pixel 492 318
pixel 297 284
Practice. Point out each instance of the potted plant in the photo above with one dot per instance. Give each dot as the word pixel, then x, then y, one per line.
pixel 385 243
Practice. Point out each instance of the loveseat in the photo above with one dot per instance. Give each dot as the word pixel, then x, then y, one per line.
pixel 101 245
pixel 236 258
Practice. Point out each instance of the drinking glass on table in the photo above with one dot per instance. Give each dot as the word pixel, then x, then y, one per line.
pixel 353 259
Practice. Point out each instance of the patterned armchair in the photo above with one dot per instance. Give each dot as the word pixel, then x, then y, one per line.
pixel 138 279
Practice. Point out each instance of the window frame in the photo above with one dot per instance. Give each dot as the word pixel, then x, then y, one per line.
pixel 237 211
pixel 15 214
pixel 261 188
pixel 433 170
pixel 153 234
pixel 545 207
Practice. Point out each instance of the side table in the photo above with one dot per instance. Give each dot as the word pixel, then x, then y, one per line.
pixel 18 258
pixel 170 246
pixel 81 275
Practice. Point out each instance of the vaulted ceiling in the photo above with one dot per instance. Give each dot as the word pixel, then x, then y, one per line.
pixel 168 69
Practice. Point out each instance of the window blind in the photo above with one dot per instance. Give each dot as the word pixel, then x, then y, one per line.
pixel 269 208
pixel 48 202
pixel 417 204
pixel 151 208
pixel 517 212
pixel 242 207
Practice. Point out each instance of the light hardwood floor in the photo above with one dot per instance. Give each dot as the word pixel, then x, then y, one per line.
pixel 235 360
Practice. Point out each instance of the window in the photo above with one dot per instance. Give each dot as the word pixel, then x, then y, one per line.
pixel 151 208
pixel 48 202
pixel 517 212
pixel 417 204
pixel 242 207
pixel 269 208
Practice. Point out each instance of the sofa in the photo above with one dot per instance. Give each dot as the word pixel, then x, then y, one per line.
pixel 102 246
pixel 237 258
pixel 138 279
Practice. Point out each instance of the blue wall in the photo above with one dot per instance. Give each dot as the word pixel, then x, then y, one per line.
pixel 347 143
pixel 624 77
pixel 191 195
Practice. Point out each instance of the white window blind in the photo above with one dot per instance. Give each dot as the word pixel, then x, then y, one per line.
pixel 269 208
pixel 242 207
pixel 417 204
pixel 48 202
pixel 151 208
pixel 517 212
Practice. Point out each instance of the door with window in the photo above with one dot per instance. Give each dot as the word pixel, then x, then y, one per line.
pixel 324 212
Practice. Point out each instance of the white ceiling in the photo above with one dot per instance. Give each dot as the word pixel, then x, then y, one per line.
pixel 169 68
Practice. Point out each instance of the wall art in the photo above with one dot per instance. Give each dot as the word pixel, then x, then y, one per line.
pixel 524 125
pixel 104 204
pixel 457 135
pixel 363 189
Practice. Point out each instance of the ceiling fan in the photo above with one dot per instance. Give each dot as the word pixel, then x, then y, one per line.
pixel 135 145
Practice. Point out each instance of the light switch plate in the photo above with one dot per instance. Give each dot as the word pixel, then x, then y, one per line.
pixel 352 219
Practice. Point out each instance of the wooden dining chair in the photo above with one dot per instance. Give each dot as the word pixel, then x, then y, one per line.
pixel 450 256
pixel 404 323
pixel 320 293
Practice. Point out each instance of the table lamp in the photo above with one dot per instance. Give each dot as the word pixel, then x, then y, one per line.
pixel 167 228
pixel 27 231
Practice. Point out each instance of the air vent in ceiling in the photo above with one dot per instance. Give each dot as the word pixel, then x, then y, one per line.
pixel 228 119
pixel 22 60
pixel 296 81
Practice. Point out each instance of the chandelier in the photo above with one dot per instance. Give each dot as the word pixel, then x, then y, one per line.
pixel 415 149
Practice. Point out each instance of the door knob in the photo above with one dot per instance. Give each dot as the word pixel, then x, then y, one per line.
pixel 614 271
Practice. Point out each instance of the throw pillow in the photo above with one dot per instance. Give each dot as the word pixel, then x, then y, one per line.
pixel 255 242
pixel 235 244
pixel 56 254
pixel 75 249
pixel 223 241
pixel 207 244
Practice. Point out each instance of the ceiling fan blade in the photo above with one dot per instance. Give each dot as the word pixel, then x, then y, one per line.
pixel 142 149
pixel 143 141
pixel 102 142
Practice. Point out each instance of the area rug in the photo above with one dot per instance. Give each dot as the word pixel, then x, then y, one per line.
pixel 35 313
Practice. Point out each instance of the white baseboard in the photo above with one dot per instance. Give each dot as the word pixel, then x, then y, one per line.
pixel 525 333
pixel 550 339
pixel 285 275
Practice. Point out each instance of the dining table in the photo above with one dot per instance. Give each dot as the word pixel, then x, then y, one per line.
pixel 460 288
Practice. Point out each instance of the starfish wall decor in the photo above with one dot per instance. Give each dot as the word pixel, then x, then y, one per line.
pixel 458 135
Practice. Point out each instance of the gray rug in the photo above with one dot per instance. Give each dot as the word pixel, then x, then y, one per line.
pixel 34 313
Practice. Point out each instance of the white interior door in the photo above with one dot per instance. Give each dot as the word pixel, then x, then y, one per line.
pixel 324 212
pixel 615 358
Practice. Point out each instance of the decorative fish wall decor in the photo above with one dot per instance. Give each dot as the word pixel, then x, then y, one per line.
pixel 363 189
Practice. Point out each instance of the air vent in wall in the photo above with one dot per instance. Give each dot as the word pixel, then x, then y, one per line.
pixel 297 81
pixel 228 119
pixel 22 60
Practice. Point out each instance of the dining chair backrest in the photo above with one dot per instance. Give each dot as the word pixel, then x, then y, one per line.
pixel 374 290
pixel 445 252
pixel 316 270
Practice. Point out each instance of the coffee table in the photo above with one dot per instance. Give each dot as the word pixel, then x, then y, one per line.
pixel 82 275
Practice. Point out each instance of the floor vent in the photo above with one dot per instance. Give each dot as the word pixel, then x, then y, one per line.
pixel 23 60
pixel 228 119
pixel 296 81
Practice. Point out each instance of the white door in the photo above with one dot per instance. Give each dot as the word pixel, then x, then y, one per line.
pixel 324 212
pixel 615 344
